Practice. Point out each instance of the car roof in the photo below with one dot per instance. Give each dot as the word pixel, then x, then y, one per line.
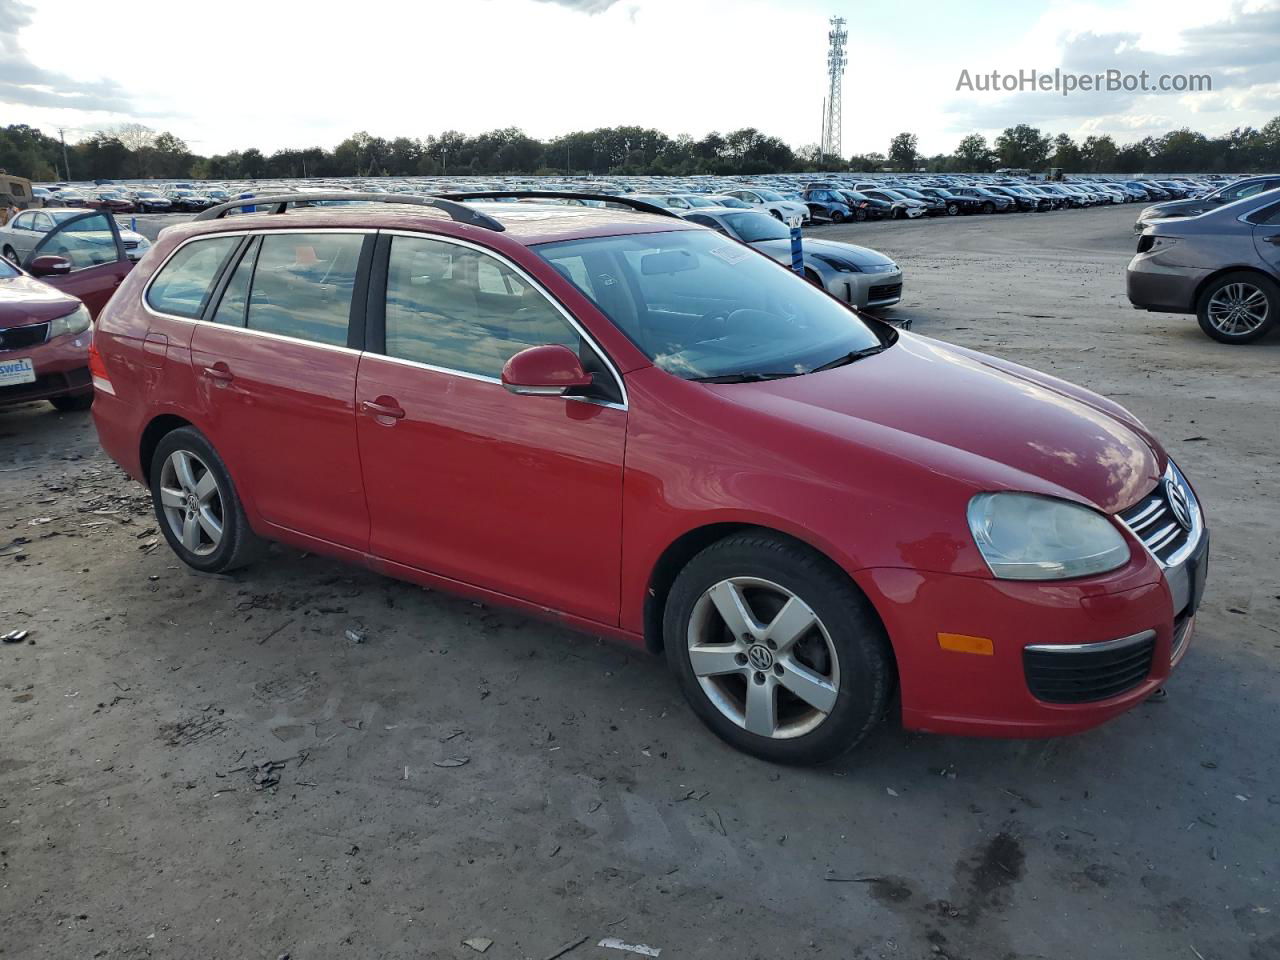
pixel 524 222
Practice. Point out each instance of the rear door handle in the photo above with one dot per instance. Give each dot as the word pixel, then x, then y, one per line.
pixel 219 373
pixel 383 407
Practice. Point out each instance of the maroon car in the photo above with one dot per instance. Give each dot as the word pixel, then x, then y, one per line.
pixel 46 311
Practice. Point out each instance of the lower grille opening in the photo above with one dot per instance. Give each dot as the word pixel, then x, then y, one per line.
pixel 1084 675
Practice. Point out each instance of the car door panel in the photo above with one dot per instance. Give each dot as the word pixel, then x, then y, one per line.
pixel 91 243
pixel 519 495
pixel 281 408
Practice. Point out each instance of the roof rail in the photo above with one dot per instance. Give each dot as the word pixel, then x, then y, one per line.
pixel 280 203
pixel 639 205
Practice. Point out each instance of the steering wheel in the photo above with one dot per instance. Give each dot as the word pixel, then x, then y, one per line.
pixel 711 324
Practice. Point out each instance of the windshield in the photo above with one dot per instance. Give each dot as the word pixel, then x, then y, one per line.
pixel 698 201
pixel 733 202
pixel 700 305
pixel 892 193
pixel 753 226
pixel 913 194
pixel 770 196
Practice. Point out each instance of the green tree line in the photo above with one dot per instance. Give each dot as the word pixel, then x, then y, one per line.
pixel 137 152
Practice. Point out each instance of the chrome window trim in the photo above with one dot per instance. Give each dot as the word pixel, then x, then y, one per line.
pixel 247 231
pixel 559 307
pixel 1105 646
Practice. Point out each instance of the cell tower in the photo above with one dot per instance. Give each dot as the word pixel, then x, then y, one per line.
pixel 836 60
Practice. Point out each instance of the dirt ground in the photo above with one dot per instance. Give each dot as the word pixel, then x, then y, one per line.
pixel 468 773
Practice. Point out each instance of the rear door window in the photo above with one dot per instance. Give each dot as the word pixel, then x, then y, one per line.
pixel 231 308
pixel 184 283
pixel 302 285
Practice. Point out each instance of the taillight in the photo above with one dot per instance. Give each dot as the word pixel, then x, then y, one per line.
pixel 98 370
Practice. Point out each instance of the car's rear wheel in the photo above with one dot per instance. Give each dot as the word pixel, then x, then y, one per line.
pixel 837 216
pixel 11 255
pixel 70 404
pixel 1238 307
pixel 776 650
pixel 988 207
pixel 197 505
pixel 859 215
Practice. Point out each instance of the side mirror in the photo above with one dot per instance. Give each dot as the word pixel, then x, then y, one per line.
pixel 49 265
pixel 546 371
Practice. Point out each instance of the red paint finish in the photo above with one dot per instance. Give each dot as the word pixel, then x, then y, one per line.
pixel 281 413
pixel 522 495
pixel 565 507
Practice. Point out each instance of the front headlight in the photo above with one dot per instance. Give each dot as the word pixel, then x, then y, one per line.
pixel 835 263
pixel 77 321
pixel 1023 536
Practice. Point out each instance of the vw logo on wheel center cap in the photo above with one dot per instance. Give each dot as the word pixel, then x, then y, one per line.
pixel 760 656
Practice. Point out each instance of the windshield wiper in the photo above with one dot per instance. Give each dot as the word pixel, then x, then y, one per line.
pixel 851 357
pixel 743 377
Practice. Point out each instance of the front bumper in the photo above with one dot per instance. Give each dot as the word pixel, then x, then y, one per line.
pixel 944 691
pixel 61 369
pixel 866 290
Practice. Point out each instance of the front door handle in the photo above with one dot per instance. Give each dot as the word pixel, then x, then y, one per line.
pixel 1274 238
pixel 383 407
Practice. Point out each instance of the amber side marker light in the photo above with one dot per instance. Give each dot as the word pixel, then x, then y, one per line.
pixel 960 643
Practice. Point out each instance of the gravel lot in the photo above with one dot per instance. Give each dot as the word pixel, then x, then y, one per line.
pixel 591 803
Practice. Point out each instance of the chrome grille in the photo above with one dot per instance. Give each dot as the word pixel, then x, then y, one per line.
pixel 1166 518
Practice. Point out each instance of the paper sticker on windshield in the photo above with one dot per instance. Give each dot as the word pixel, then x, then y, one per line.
pixel 730 254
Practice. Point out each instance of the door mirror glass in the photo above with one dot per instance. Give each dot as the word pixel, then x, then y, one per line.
pixel 49 265
pixel 545 371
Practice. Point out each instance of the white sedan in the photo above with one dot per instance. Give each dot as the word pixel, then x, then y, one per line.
pixel 771 202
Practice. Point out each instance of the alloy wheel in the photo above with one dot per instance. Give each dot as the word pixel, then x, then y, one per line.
pixel 192 502
pixel 1238 308
pixel 763 657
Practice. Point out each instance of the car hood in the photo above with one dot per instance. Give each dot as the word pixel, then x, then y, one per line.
pixel 862 256
pixel 25 300
pixel 986 422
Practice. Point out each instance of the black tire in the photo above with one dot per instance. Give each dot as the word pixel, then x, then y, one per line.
pixel 859 215
pixel 1265 289
pixel 953 209
pixel 72 403
pixel 238 545
pixel 837 216
pixel 11 255
pixel 988 207
pixel 862 653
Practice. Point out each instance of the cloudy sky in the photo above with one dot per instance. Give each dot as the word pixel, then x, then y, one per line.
pixel 275 74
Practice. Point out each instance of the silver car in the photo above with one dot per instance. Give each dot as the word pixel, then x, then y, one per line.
pixel 860 277
pixel 20 235
pixel 1241 189
pixel 1223 266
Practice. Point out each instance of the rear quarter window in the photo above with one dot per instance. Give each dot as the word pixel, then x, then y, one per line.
pixel 183 285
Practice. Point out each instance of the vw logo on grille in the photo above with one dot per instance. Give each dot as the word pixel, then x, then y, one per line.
pixel 1178 502
pixel 760 657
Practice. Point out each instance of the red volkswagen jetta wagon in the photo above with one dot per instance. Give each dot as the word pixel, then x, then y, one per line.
pixel 649 431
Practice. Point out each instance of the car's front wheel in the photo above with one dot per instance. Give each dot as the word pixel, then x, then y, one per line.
pixel 197 505
pixel 837 216
pixel 11 255
pixel 952 209
pixel 776 650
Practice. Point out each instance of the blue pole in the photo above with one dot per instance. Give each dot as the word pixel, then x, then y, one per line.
pixel 133 224
pixel 797 251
